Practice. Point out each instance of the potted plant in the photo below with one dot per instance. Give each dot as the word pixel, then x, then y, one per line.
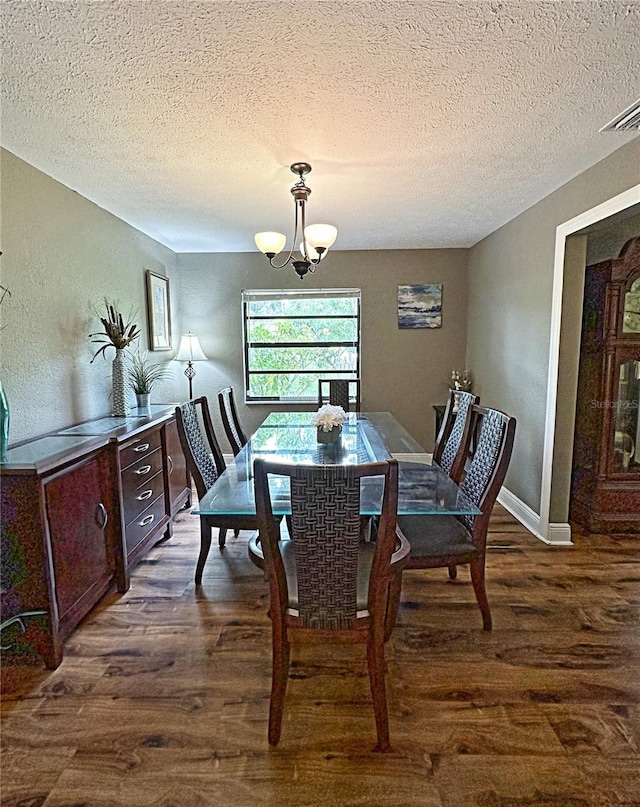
pixel 143 376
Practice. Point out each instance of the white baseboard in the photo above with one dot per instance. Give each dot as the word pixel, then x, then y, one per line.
pixel 557 534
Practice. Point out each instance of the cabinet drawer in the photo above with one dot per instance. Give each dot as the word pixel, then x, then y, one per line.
pixel 135 476
pixel 138 500
pixel 139 448
pixel 144 523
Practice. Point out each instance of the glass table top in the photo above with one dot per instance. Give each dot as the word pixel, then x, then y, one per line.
pixel 366 437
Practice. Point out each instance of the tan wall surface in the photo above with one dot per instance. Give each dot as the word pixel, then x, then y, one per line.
pixel 606 242
pixel 403 371
pixel 510 293
pixel 61 255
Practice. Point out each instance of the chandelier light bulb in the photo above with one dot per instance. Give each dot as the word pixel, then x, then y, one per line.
pixel 311 252
pixel 320 235
pixel 270 243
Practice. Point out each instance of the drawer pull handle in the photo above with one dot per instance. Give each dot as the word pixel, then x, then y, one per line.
pixel 144 470
pixel 143 447
pixel 147 520
pixel 146 494
pixel 101 515
pixel 170 462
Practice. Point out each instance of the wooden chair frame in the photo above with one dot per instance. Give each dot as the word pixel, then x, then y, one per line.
pixel 231 422
pixel 462 434
pixel 476 554
pixel 336 394
pixel 371 628
pixel 207 523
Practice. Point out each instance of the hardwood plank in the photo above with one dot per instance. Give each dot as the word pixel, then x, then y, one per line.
pixel 163 694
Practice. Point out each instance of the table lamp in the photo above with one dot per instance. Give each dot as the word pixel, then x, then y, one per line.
pixel 190 351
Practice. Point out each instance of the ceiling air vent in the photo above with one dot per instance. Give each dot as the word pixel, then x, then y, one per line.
pixel 627 121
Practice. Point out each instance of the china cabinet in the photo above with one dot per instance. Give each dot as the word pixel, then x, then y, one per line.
pixel 605 494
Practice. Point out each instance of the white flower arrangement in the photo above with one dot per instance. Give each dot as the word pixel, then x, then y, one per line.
pixel 329 416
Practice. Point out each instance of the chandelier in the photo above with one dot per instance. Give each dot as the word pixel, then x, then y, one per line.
pixel 316 238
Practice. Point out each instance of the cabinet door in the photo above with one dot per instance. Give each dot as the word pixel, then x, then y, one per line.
pixel 176 468
pixel 79 507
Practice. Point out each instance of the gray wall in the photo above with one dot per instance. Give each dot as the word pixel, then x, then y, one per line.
pixel 403 371
pixel 61 255
pixel 605 241
pixel 510 293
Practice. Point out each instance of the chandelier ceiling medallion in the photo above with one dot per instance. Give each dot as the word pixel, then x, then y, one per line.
pixel 316 238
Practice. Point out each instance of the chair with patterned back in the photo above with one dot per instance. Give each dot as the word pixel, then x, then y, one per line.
pixel 344 392
pixel 230 420
pixel 205 463
pixel 453 441
pixel 325 584
pixel 446 541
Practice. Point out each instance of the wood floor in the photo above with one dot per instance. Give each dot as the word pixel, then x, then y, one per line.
pixel 163 695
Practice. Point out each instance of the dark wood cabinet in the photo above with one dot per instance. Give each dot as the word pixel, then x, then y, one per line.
pixel 179 485
pixel 605 484
pixel 79 508
pixel 60 542
pixel 142 479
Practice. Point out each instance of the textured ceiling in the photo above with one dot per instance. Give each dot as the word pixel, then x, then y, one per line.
pixel 428 124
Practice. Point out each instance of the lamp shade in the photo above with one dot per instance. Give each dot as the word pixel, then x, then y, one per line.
pixel 270 243
pixel 311 252
pixel 320 235
pixel 190 349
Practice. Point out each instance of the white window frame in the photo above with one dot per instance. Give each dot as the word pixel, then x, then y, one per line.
pixel 251 295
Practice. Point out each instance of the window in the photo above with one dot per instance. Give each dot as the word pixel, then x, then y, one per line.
pixel 293 338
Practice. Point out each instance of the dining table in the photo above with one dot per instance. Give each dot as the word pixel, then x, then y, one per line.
pixel 291 437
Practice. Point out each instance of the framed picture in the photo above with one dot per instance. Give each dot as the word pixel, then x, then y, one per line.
pixel 420 306
pixel 158 312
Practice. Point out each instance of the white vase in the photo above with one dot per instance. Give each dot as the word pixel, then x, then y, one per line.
pixel 119 380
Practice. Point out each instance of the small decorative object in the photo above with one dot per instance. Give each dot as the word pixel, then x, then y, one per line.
pixel 328 420
pixel 462 381
pixel 117 334
pixel 420 306
pixel 158 312
pixel 143 376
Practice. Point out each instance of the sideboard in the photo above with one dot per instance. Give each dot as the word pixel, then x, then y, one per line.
pixel 79 508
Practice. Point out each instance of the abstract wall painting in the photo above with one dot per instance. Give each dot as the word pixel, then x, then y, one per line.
pixel 420 306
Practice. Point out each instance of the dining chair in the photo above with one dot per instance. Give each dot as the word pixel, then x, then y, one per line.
pixel 205 463
pixel 452 443
pixel 325 584
pixel 445 541
pixel 233 429
pixel 340 392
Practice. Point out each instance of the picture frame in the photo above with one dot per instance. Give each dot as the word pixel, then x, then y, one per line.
pixel 420 306
pixel 158 311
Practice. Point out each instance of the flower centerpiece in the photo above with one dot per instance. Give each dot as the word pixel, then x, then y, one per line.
pixel 328 420
pixel 118 334
pixel 143 376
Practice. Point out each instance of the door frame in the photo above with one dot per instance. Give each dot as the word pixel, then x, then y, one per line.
pixel 560 533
